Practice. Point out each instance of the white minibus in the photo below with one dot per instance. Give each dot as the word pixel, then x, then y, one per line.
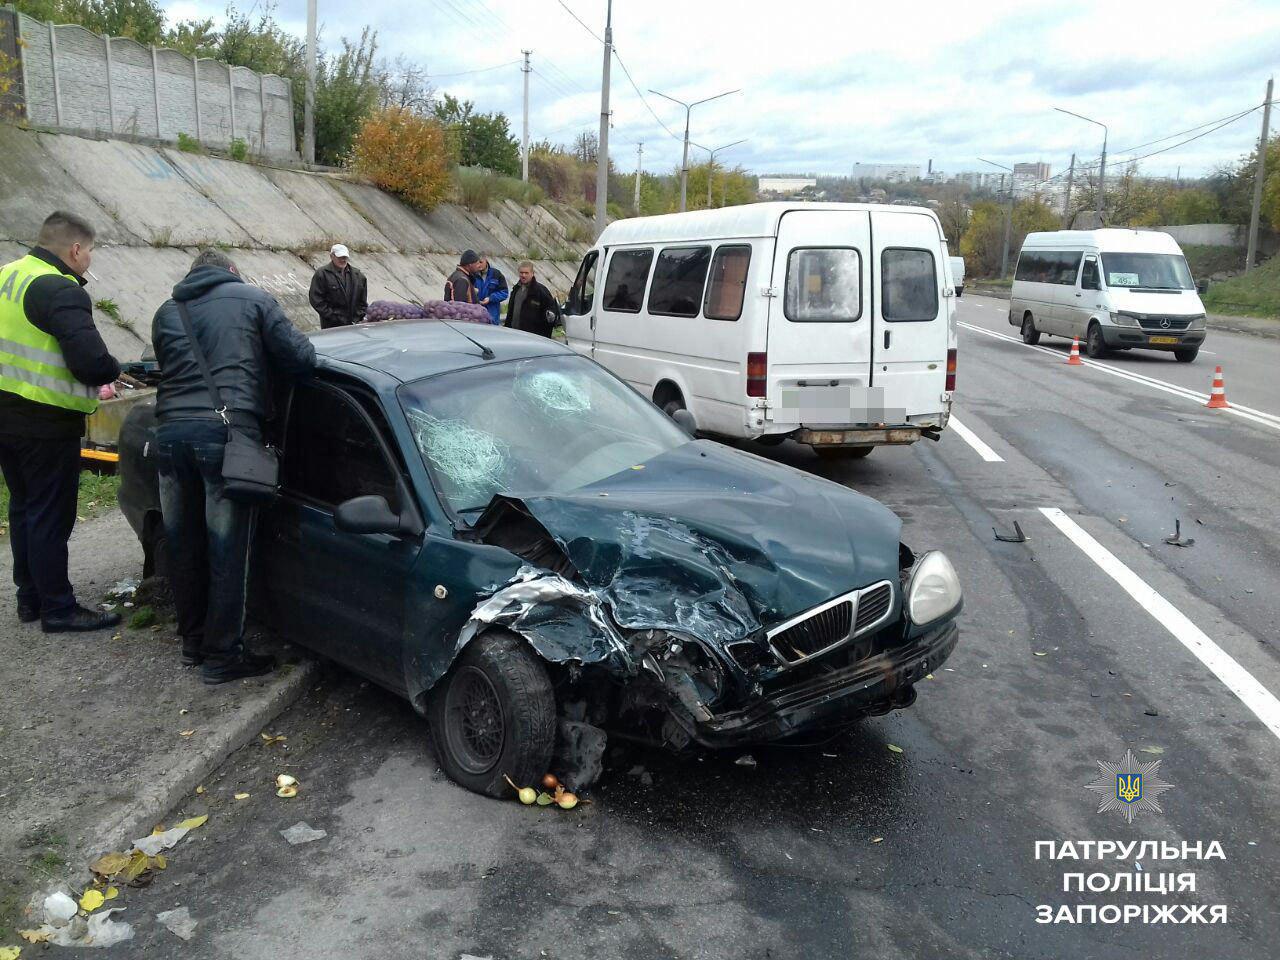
pixel 1114 289
pixel 829 323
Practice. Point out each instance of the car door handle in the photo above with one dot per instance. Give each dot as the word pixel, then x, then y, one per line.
pixel 1079 294
pixel 887 335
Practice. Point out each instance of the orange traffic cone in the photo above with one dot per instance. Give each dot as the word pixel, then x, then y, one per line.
pixel 1218 395
pixel 1074 360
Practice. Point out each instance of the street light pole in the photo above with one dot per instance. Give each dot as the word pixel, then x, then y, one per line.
pixel 711 162
pixel 1259 176
pixel 1102 170
pixel 684 162
pixel 1008 217
pixel 524 139
pixel 602 151
pixel 639 164
pixel 309 97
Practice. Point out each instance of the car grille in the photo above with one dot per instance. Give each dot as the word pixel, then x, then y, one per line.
pixel 872 606
pixel 1158 323
pixel 833 624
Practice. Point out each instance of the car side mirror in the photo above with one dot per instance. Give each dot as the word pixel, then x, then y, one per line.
pixel 684 420
pixel 1202 286
pixel 368 514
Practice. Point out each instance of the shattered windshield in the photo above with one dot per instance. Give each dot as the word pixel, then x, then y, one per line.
pixel 530 427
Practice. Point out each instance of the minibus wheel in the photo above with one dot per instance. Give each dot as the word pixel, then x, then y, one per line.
pixel 1186 354
pixel 1094 345
pixel 1030 335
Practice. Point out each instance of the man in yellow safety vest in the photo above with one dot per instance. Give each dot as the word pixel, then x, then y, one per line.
pixel 52 362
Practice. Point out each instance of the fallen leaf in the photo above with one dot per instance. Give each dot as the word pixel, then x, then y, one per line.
pixel 199 790
pixel 91 900
pixel 928 676
pixel 894 747
pixel 1156 750
pixel 185 733
pixel 139 862
pixel 159 861
pixel 242 796
pixel 194 822
pixel 110 893
pixel 109 864
pixel 268 739
pixel 10 953
pixel 544 799
pixel 1039 653
pixel 34 936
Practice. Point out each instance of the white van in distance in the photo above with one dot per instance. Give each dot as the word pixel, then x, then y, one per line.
pixel 957 275
pixel 829 323
pixel 1114 289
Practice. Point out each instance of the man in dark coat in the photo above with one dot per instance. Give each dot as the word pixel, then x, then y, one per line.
pixel 458 286
pixel 339 292
pixel 54 362
pixel 247 341
pixel 531 307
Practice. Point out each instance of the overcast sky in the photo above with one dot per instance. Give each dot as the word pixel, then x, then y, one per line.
pixel 829 82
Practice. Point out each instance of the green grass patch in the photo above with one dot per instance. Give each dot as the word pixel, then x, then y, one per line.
pixel 99 494
pixel 1253 294
pixel 479 189
pixel 143 617
pixel 1206 261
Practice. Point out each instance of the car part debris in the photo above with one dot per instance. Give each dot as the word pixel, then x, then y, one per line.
pixel 579 755
pixel 746 760
pixel 178 922
pixel 1177 539
pixel 1018 535
pixel 302 832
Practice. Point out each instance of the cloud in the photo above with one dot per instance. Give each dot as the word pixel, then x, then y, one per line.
pixel 829 83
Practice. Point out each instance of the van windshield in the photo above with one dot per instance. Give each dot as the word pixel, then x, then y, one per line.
pixel 1147 271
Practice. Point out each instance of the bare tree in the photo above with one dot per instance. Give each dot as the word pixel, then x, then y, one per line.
pixel 403 83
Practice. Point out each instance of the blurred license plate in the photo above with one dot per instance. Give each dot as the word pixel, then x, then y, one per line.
pixel 1164 339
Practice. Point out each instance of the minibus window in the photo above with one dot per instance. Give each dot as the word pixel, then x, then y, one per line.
pixel 624 286
pixel 1147 271
pixel 583 293
pixel 678 279
pixel 824 285
pixel 1089 278
pixel 728 284
pixel 909 285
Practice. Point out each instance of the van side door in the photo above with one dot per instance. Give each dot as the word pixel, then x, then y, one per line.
pixel 909 337
pixel 580 307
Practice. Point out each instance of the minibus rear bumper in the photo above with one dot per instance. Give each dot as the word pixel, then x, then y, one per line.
pixel 859 436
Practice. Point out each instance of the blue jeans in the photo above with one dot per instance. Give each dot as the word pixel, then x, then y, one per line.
pixel 209 540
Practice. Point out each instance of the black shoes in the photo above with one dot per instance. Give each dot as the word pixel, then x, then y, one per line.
pixel 28 612
pixel 191 653
pixel 79 619
pixel 248 665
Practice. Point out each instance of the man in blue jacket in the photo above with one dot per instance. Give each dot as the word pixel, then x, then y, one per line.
pixel 491 288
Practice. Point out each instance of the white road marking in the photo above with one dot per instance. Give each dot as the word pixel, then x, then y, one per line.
pixel 973 440
pixel 1238 680
pixel 1245 413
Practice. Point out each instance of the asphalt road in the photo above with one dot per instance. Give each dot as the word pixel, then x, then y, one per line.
pixel 850 848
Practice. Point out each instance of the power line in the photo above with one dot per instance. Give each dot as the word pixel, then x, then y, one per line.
pixel 581 23
pixel 464 73
pixel 555 86
pixel 642 96
pixel 1199 126
pixel 1183 143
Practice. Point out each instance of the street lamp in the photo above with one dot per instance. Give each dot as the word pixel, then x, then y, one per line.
pixel 688 108
pixel 1102 171
pixel 1008 217
pixel 711 162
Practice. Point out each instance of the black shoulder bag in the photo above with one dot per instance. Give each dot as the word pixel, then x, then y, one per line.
pixel 250 469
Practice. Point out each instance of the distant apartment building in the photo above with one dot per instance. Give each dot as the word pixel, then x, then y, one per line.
pixel 784 186
pixel 891 172
pixel 1038 170
pixel 978 179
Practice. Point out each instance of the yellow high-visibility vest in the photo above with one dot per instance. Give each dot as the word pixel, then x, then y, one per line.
pixel 31 361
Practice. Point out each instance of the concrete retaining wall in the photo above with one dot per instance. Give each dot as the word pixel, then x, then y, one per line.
pixel 154 208
pixel 1207 234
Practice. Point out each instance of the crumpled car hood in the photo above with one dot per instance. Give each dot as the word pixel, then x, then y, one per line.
pixel 716 543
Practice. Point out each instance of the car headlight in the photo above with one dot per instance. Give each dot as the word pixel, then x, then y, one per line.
pixel 934 589
pixel 1124 320
pixel 1197 322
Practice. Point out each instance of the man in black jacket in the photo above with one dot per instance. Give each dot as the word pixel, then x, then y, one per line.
pixel 531 307
pixel 52 362
pixel 247 340
pixel 458 286
pixel 339 292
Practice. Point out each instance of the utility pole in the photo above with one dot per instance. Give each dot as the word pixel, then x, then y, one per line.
pixel 1066 204
pixel 1008 216
pixel 1101 198
pixel 602 153
pixel 524 140
pixel 1258 178
pixel 309 101
pixel 639 163
pixel 684 162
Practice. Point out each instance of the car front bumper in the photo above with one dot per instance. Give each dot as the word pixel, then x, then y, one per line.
pixel 875 685
pixel 1140 338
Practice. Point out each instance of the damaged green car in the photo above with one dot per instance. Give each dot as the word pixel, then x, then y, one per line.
pixel 533 554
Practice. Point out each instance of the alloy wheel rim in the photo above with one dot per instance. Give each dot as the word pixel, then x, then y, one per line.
pixel 475 728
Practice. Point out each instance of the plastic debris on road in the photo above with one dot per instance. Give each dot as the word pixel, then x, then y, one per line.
pixel 302 832
pixel 63 927
pixel 168 838
pixel 178 922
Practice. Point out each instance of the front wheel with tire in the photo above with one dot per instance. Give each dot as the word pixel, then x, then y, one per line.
pixel 1094 345
pixel 1186 354
pixel 1030 335
pixel 494 714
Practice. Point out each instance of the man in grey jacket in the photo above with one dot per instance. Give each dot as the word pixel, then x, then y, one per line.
pixel 248 342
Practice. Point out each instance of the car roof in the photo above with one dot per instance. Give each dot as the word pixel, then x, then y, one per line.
pixel 1113 239
pixel 412 349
